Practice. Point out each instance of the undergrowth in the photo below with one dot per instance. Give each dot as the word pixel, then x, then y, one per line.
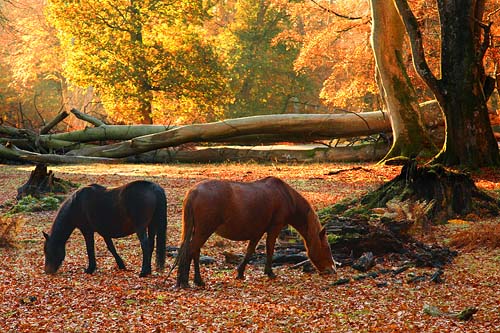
pixel 11 221
pixel 32 204
pixel 479 235
pixel 9 228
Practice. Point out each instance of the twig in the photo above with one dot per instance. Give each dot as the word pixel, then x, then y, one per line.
pixel 336 172
pixel 328 10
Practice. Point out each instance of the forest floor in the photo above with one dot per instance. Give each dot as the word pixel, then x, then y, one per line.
pixel 112 300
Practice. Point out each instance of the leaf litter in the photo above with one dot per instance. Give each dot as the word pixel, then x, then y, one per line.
pixel 117 301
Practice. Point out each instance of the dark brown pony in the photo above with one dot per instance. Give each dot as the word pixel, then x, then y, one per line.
pixel 245 211
pixel 138 207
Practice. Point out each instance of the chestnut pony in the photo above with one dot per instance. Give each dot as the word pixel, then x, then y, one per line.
pixel 138 207
pixel 245 211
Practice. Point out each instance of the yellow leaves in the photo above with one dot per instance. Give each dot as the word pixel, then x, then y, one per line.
pixel 459 222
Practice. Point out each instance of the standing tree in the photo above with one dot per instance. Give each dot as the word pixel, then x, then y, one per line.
pixel 260 61
pixel 144 58
pixel 396 89
pixel 459 91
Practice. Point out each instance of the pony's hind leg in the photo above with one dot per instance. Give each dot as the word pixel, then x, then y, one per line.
pixel 146 253
pixel 112 249
pixel 197 275
pixel 250 251
pixel 89 242
pixel 196 245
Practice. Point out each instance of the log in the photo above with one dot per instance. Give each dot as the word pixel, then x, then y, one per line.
pixel 324 126
pixel 57 119
pixel 108 133
pixel 361 153
pixel 46 143
pixel 16 133
pixel 12 153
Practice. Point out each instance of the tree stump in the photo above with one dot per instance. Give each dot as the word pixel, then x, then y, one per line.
pixel 450 193
pixel 41 182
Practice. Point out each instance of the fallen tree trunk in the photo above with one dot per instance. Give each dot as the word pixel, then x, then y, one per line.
pixel 366 152
pixel 16 154
pixel 320 126
pixel 49 144
pixel 108 133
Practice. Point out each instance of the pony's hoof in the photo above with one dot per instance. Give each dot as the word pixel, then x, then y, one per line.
pixel 90 270
pixel 199 283
pixel 144 274
pixel 271 275
pixel 240 277
pixel 182 285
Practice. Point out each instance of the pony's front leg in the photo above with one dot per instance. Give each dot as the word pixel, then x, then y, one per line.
pixel 112 249
pixel 146 253
pixel 89 242
pixel 248 255
pixel 270 242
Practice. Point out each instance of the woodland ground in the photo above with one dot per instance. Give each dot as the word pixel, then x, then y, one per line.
pixel 119 301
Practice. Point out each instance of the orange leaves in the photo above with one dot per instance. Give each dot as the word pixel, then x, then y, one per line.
pixel 118 301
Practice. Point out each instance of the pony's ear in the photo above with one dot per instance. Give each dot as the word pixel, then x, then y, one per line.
pixel 322 232
pixel 45 235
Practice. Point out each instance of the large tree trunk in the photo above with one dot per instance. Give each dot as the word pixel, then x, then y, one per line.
pixel 469 138
pixel 398 94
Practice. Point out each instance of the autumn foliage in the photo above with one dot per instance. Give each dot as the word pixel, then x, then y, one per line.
pixel 9 229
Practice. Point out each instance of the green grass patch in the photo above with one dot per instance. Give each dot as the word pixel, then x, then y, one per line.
pixel 32 204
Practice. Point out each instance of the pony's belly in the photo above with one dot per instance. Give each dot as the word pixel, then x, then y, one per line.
pixel 238 234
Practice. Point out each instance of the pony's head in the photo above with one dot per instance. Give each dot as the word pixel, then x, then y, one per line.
pixel 318 249
pixel 54 254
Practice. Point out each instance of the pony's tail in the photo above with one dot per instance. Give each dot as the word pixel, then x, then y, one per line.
pixel 160 218
pixel 183 257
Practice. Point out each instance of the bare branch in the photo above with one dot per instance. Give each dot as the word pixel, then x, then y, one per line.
pixel 328 10
pixel 94 121
pixel 57 119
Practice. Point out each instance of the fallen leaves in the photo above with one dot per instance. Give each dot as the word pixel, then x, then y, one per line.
pixel 119 301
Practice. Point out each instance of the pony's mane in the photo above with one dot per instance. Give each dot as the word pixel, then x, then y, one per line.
pixel 61 223
pixel 296 200
pixel 300 205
